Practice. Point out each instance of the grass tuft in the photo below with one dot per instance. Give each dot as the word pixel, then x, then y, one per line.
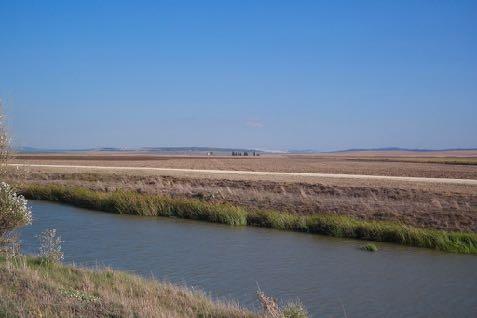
pixel 370 247
pixel 126 202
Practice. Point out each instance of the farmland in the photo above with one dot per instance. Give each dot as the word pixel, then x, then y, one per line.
pixel 414 164
pixel 427 205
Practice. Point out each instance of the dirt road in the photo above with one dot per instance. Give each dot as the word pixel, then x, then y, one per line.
pixel 199 172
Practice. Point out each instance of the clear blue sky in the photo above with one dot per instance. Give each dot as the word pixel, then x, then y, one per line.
pixel 266 74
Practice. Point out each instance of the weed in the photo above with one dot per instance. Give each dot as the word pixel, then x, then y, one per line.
pixel 50 246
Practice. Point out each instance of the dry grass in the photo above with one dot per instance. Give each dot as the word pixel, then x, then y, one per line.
pixel 31 288
pixel 450 208
pixel 271 309
pixel 439 160
pixel 328 224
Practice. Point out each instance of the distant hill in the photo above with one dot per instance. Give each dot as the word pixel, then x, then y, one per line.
pixel 384 149
pixel 47 150
pixel 177 150
pixel 186 150
pixel 195 149
pixel 401 149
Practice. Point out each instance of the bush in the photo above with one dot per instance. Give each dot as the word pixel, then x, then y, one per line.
pixel 14 212
pixel 271 308
pixel 50 246
pixel 295 310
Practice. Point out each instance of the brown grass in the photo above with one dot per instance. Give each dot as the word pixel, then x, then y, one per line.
pixel 31 288
pixel 439 160
pixel 429 208
pixel 128 202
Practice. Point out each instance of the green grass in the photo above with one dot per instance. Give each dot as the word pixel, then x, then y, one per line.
pixel 122 202
pixel 370 247
pixel 327 224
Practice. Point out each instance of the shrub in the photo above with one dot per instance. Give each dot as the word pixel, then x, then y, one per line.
pixel 50 246
pixel 271 309
pixel 294 310
pixel 14 213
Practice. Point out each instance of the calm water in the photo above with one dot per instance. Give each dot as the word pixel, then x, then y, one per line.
pixel 330 276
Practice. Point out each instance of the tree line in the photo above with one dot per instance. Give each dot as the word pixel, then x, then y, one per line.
pixel 245 153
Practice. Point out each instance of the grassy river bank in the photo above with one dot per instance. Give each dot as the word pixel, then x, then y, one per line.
pixel 125 202
pixel 32 287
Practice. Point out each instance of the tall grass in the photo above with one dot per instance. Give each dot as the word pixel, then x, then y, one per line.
pixel 123 202
pixel 30 287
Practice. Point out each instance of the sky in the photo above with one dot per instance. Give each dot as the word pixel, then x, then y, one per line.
pixel 273 75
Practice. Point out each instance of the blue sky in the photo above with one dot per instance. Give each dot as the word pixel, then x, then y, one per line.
pixel 266 74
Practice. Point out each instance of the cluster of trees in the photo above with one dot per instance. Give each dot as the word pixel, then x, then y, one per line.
pixel 245 153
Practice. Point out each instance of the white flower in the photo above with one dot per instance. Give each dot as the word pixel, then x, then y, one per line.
pixel 14 210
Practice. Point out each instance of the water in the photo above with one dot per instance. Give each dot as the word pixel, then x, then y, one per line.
pixel 332 277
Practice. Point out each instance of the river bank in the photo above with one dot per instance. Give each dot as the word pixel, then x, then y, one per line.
pixel 434 206
pixel 31 287
pixel 126 202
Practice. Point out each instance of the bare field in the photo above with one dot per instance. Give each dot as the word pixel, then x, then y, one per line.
pixel 429 205
pixel 394 164
pixel 252 177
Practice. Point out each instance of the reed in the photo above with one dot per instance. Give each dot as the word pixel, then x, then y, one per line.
pixel 125 202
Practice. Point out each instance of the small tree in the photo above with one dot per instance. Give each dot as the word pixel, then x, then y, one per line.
pixel 4 144
pixel 14 211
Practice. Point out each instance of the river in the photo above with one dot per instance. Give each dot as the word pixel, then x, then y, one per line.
pixel 331 277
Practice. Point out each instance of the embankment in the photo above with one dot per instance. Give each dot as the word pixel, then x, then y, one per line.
pixel 30 287
pixel 125 202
